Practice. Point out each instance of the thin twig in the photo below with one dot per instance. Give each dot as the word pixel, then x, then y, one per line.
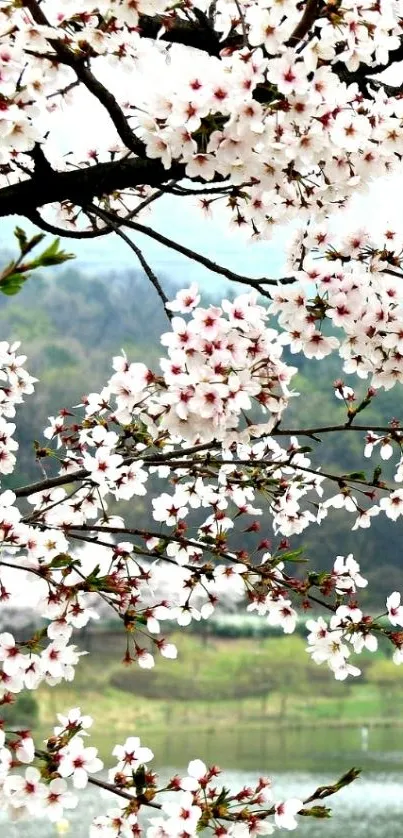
pixel 143 262
pixel 93 85
pixel 203 260
pixel 243 23
pixel 82 474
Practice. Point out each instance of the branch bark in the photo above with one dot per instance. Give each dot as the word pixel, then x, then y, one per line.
pixel 81 186
pixel 161 459
pixel 307 20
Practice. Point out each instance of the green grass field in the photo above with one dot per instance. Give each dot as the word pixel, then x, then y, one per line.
pixel 217 683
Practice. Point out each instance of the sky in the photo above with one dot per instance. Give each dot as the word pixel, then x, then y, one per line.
pixel 185 224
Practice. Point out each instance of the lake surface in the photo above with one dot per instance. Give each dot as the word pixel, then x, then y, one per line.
pixel 297 761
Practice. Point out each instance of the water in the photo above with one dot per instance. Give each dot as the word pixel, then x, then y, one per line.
pixel 298 761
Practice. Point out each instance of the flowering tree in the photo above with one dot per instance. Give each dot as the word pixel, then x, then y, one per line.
pixel 271 111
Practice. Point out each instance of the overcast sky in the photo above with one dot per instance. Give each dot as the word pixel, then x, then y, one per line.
pixel 184 222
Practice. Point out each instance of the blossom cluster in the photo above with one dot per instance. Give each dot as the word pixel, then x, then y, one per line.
pixel 224 366
pixel 46 788
pixel 271 112
pixel 219 362
pixel 15 382
pixel 349 285
pixel 347 631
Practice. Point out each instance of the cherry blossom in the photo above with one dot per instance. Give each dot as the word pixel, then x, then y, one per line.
pixel 77 762
pixel 285 813
pixel 395 610
pixel 130 756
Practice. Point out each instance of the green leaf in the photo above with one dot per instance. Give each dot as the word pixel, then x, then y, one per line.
pixel 15 273
pixel 293 556
pixel 363 405
pixel 348 778
pixel 21 237
pixel 317 812
pixel 27 244
pixel 318 579
pixel 354 475
pixel 12 284
pixel 94 575
pixel 222 797
pixel 52 256
pixel 377 473
pixel 63 560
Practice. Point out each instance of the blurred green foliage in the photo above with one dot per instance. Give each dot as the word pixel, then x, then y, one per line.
pixel 23 712
pixel 217 682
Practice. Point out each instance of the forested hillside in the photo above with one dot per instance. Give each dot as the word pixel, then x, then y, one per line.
pixel 71 324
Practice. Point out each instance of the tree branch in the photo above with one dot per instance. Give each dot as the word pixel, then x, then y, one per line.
pixel 351 76
pixel 93 85
pixel 81 474
pixel 203 260
pixel 81 186
pixel 143 262
pixel 37 219
pixel 160 459
pixel 308 19
pixel 186 32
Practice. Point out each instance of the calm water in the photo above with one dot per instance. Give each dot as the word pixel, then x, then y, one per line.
pixel 298 762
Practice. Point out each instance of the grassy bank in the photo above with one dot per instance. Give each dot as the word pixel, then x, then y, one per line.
pixel 221 683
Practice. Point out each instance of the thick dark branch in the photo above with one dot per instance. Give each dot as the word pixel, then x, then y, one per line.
pixel 51 483
pixel 306 22
pixel 391 90
pixel 351 76
pixel 96 232
pixel 42 167
pixel 81 186
pixel 192 34
pixel 110 104
pixel 37 219
pixel 185 32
